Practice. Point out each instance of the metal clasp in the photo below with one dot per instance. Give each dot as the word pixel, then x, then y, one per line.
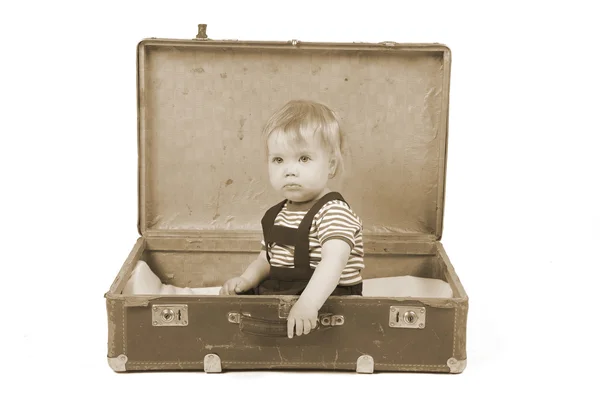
pixel 170 315
pixel 407 317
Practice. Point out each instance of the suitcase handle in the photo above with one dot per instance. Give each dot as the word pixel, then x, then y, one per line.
pixel 278 328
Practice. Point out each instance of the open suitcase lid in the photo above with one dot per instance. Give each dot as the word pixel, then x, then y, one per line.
pixel 202 105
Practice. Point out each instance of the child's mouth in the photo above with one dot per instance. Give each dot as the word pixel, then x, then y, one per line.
pixel 292 186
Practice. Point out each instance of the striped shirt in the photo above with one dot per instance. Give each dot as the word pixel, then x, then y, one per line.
pixel 335 220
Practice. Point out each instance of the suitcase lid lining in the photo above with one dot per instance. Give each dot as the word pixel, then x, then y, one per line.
pixel 202 104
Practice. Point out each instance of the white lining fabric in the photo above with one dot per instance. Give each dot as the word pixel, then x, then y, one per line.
pixel 144 282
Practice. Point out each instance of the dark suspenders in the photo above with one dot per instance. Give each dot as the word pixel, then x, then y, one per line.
pixel 295 237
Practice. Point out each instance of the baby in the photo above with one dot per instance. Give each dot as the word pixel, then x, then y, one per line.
pixel 312 241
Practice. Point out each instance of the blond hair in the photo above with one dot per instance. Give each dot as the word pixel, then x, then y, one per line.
pixel 299 119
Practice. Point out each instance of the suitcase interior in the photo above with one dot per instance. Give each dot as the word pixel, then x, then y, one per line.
pixel 183 263
pixel 202 269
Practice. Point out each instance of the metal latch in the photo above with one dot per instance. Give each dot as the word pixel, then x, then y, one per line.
pixel 407 317
pixel 170 315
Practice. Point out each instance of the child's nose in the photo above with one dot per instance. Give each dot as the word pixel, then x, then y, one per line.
pixel 291 170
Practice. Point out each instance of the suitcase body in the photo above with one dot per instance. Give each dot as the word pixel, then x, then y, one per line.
pixel 203 188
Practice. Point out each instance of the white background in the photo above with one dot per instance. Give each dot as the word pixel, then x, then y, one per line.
pixel 521 218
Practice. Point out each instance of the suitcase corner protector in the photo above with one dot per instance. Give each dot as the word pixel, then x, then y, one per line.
pixel 118 363
pixel 456 366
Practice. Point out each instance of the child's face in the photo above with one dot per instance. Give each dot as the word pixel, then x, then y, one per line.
pixel 298 173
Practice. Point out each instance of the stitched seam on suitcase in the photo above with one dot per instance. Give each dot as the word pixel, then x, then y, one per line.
pixel 413 365
pixel 112 331
pixel 163 363
pixel 140 363
pixel 123 319
pixel 454 333
pixel 320 363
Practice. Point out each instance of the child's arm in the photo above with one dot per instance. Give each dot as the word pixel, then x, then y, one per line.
pixel 334 257
pixel 258 270
pixel 255 273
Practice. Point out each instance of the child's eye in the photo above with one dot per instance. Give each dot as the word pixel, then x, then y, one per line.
pixel 304 159
pixel 277 160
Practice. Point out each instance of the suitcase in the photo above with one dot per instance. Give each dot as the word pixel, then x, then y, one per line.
pixel 203 188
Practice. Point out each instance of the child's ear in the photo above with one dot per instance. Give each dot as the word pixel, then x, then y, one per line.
pixel 332 167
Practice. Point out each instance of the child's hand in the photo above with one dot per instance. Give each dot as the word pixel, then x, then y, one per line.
pixel 235 285
pixel 303 316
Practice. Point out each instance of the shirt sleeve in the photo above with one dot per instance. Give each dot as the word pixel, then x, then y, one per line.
pixel 337 221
